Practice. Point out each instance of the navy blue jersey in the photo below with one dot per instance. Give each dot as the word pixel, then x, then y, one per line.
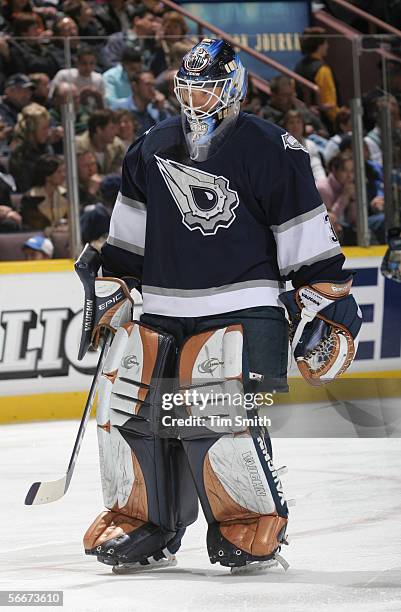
pixel 223 234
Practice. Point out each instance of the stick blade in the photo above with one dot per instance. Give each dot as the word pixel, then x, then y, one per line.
pixel 46 492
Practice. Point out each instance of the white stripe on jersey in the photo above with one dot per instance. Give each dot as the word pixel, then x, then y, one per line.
pixel 128 225
pixel 131 248
pixel 304 240
pixel 130 202
pixel 185 304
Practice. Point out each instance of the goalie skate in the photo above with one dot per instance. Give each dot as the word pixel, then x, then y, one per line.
pixel 168 560
pixel 259 567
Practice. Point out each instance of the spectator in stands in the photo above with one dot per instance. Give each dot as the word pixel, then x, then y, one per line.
pixel 45 206
pixel 88 179
pixel 370 98
pixel 294 123
pixel 29 54
pixel 342 127
pixel 177 52
pixel 7 187
pixel 5 135
pixel 10 220
pixel 338 193
pixel 375 195
pixel 84 75
pixel 173 29
pixel 373 138
pixel 31 139
pixel 394 79
pixel 101 139
pixel 165 80
pixel 148 105
pixel 95 220
pixel 165 86
pixel 65 27
pixel 81 12
pixel 117 80
pixel 127 127
pixel 374 190
pixel 283 98
pixel 37 248
pixel 41 88
pixel 157 7
pixel 60 97
pixel 4 58
pixel 141 37
pixel 252 102
pixel 113 16
pixel 10 8
pixel 313 66
pixel 17 94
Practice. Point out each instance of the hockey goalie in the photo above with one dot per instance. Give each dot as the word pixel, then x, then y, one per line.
pixel 217 210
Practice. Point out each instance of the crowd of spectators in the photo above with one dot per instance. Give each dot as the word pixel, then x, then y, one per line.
pixel 123 57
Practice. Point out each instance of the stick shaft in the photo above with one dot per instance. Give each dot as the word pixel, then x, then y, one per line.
pixel 88 407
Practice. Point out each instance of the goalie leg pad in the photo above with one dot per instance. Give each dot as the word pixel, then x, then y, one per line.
pixel 239 489
pixel 140 472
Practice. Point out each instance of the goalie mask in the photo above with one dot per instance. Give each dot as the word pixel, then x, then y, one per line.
pixel 209 87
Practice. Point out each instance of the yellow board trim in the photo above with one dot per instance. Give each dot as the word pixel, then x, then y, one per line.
pixel 395 374
pixel 32 267
pixel 67 265
pixel 372 387
pixel 42 406
pixel 373 251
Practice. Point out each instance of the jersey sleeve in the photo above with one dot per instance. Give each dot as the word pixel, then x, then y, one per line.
pixel 308 249
pixel 123 253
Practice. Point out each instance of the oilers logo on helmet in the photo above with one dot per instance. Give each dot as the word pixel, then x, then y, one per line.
pixel 197 60
pixel 205 200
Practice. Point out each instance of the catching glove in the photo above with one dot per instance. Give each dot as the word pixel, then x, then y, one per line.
pixel 324 326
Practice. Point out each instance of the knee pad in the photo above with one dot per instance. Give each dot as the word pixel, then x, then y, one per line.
pixel 140 472
pixel 240 491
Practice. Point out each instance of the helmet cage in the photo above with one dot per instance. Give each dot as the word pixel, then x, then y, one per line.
pixel 210 88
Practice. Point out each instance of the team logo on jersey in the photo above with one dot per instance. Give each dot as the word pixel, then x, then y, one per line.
pixel 291 142
pixel 197 60
pixel 205 200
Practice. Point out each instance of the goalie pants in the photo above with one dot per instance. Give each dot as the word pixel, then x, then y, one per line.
pixel 235 480
pixel 266 339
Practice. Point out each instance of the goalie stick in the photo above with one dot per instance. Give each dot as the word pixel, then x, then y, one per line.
pixel 48 492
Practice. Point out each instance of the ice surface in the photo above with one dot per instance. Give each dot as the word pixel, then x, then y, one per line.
pixel 345 552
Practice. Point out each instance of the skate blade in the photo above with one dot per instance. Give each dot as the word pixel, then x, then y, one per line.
pixel 255 567
pixel 137 568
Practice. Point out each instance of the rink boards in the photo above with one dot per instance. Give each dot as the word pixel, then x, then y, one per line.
pixel 40 321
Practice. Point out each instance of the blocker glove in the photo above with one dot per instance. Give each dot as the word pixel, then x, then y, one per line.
pixel 108 301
